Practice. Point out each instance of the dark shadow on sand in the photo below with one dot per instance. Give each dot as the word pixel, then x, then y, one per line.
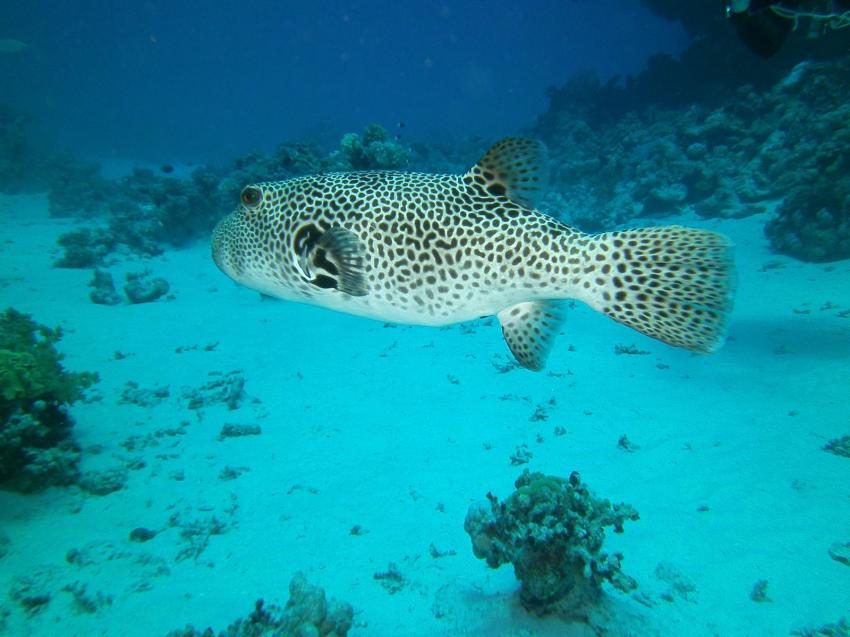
pixel 806 336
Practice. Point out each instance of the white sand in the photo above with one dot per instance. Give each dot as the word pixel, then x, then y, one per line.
pixel 362 426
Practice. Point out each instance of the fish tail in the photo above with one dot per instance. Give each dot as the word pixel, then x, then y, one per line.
pixel 672 283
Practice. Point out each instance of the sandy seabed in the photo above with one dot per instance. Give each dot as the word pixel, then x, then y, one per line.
pixel 395 430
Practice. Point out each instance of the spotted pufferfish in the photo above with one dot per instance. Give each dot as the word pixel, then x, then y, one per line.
pixel 430 249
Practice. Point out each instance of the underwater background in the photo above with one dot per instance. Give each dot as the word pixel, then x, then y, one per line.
pixel 180 455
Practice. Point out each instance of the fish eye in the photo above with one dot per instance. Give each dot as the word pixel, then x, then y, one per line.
pixel 251 196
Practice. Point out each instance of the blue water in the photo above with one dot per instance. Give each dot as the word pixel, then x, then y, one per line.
pixel 233 440
pixel 169 81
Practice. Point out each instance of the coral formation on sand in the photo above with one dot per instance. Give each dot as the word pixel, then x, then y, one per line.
pixel 142 288
pixel 103 289
pixel 307 614
pixel 552 530
pixel 36 446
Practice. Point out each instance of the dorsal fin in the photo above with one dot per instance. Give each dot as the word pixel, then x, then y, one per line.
pixel 513 168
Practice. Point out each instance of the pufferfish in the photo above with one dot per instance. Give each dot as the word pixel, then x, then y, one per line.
pixel 430 249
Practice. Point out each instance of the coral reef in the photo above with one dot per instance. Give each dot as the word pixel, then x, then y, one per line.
pixel 813 222
pixel 140 212
pixel 145 211
pixel 789 141
pixel 714 133
pixel 36 446
pixel 77 189
pixel 552 531
pixel 174 211
pixel 289 159
pixel 307 614
pixel 374 150
pixel 85 248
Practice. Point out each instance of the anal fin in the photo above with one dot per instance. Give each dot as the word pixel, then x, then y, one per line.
pixel 530 329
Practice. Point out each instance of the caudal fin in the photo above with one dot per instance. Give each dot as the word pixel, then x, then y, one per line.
pixel 672 283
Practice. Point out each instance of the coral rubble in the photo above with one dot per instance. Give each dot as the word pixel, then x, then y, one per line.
pixel 306 613
pixel 839 446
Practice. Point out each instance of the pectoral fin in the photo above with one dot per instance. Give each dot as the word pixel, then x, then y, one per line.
pixel 333 259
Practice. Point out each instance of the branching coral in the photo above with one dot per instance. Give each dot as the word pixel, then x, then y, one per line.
pixel 552 531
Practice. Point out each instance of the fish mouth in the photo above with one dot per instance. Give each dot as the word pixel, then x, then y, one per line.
pixel 218 244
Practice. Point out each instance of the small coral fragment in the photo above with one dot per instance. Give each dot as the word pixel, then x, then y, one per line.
pixel 839 446
pixel 307 613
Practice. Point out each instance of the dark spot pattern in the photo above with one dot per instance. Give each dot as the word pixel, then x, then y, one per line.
pixel 673 283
